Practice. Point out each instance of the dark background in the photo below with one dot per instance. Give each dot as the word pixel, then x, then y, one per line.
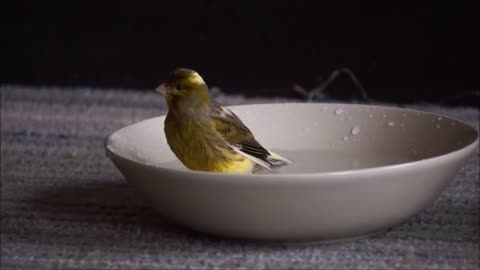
pixel 401 54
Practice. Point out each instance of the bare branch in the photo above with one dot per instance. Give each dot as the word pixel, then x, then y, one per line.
pixel 319 91
pixel 299 89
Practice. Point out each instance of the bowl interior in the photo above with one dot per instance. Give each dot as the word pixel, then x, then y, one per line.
pixel 318 137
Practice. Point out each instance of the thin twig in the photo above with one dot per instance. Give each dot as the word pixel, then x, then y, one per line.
pixel 299 89
pixel 357 83
pixel 318 91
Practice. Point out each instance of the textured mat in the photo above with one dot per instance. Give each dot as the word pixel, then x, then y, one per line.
pixel 64 204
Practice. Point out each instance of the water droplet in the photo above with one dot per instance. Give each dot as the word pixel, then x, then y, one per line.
pixel 439 118
pixel 391 124
pixel 370 116
pixel 345 138
pixel 438 126
pixel 355 130
pixel 339 111
pixel 384 116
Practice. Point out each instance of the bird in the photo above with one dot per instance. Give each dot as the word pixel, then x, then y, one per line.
pixel 205 135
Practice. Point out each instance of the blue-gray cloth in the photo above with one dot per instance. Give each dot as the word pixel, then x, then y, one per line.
pixel 64 204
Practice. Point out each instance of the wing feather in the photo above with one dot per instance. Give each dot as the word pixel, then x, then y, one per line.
pixel 241 140
pixel 236 133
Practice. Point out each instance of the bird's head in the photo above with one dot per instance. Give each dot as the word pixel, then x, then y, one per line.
pixel 181 83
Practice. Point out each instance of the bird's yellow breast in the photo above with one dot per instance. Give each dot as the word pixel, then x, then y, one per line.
pixel 200 147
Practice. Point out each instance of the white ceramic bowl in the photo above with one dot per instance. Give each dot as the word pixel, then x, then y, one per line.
pixel 357 170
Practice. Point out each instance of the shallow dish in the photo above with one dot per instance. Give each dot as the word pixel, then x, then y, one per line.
pixel 357 170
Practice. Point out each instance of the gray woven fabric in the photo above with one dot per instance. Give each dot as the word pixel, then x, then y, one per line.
pixel 64 204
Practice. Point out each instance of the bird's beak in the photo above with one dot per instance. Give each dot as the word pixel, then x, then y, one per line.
pixel 162 89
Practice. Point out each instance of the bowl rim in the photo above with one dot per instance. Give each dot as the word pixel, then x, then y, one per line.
pixel 110 153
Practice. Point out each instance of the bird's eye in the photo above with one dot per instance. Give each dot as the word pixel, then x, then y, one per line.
pixel 179 87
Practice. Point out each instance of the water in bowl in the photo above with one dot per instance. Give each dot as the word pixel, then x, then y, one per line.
pixel 316 161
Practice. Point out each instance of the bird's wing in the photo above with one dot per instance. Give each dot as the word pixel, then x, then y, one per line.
pixel 238 136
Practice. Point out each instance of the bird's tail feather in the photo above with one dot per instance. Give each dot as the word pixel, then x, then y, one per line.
pixel 272 160
pixel 276 160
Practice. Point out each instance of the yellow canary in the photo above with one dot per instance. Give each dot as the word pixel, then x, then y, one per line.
pixel 206 136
